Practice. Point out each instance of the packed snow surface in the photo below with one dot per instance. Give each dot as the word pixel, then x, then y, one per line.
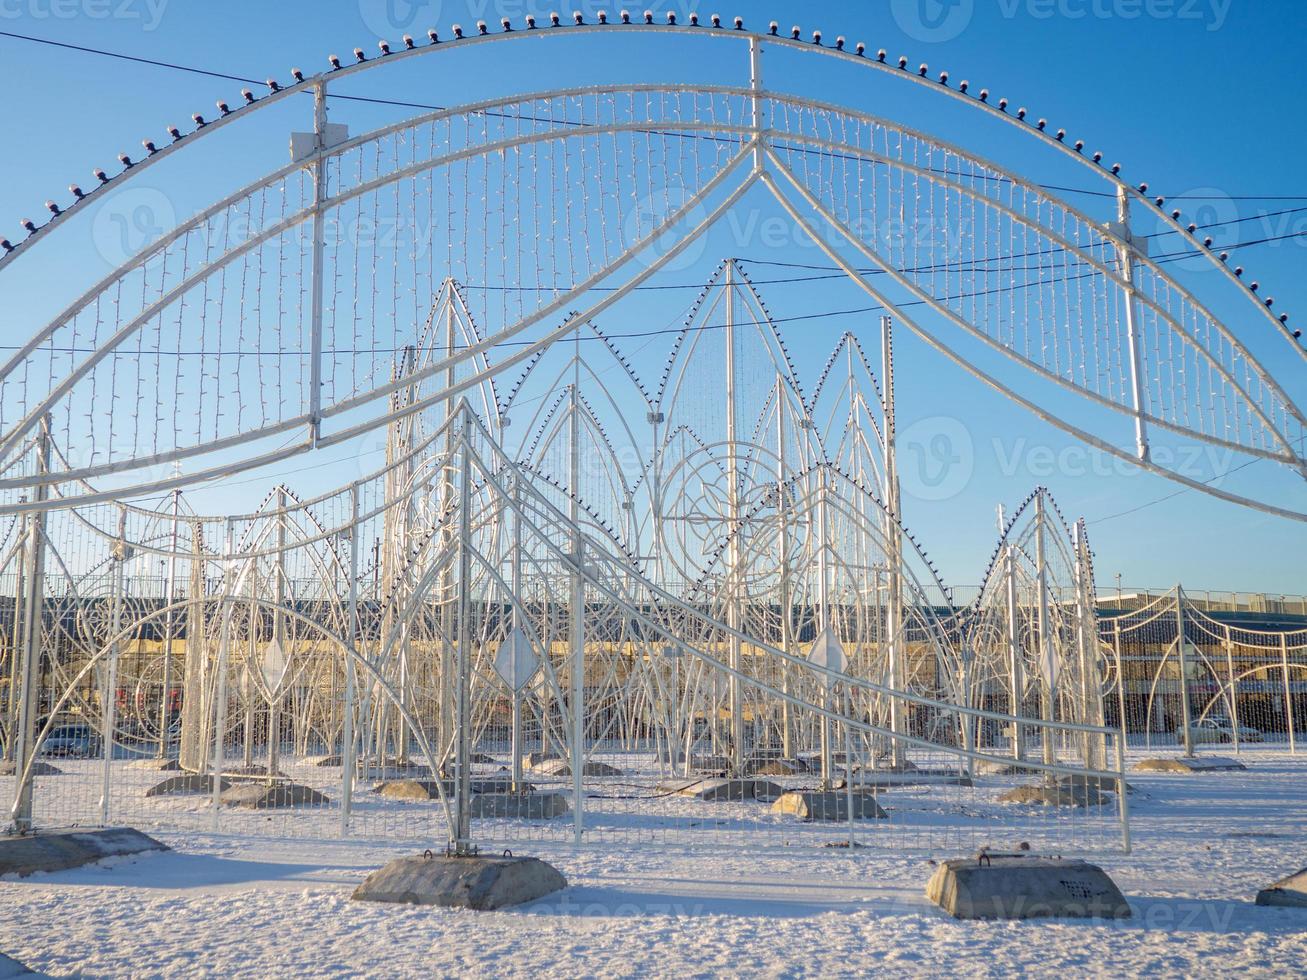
pixel 223 905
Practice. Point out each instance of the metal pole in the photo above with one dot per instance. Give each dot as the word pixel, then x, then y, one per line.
pixel 109 704
pixel 894 540
pixel 1047 654
pixel 1288 692
pixel 16 659
pixel 1181 653
pixel 319 247
pixel 462 781
pixel 1126 254
pixel 220 681
pixel 170 593
pixel 347 723
pixel 33 611
pixel 733 581
pixel 578 682
pixel 516 515
pixel 783 544
pixel 1234 689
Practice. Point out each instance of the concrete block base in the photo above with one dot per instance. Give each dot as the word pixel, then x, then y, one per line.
pixel 716 788
pixel 189 783
pixel 828 805
pixel 561 768
pixel 158 765
pixel 1290 892
pixel 422 790
pixel 776 767
pixel 519 806
pixel 1057 794
pixel 63 849
pixel 1020 887
pixel 482 883
pixel 261 796
pixel 1199 763
pixel 39 768
pixel 11 969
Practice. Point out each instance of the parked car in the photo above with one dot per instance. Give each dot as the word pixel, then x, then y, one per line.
pixel 72 740
pixel 1218 728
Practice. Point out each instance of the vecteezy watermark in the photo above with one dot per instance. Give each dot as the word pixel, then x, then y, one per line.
pixel 932 21
pixel 131 220
pixel 936 458
pixel 148 12
pixel 936 21
pixel 656 215
pixel 389 19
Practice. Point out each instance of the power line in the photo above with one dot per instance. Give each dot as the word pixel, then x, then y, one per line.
pixel 174 66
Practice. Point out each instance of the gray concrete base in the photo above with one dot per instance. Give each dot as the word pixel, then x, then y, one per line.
pixel 482 883
pixel 1022 887
pixel 11 969
pixel 261 796
pixel 158 765
pixel 189 783
pixel 1199 763
pixel 890 780
pixel 776 767
pixel 829 805
pixel 1290 892
pixel 63 849
pixel 1102 784
pixel 710 763
pixel 519 806
pixel 716 788
pixel 563 768
pixel 1005 769
pixel 1057 794
pixel 429 789
pixel 329 761
pixel 39 768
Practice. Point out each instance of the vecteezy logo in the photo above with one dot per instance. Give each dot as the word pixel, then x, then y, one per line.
pixel 932 21
pixel 656 212
pixel 936 458
pixel 130 221
pixel 388 19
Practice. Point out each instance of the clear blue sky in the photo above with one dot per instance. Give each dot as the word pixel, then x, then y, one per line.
pixel 1187 94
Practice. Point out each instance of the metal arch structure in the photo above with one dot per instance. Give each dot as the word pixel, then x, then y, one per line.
pixel 713 566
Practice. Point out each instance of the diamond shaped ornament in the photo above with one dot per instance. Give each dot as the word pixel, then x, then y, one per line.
pixel 828 652
pixel 516 661
pixel 274 667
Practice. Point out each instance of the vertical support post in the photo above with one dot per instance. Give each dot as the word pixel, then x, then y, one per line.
pixel 319 248
pixel 220 680
pixel 783 542
pixel 1122 795
pixel 823 623
pixel 462 780
pixel 1047 654
pixel 1185 712
pixel 578 682
pixel 894 540
pixel 33 613
pixel 1132 313
pixel 1120 679
pixel 516 512
pixel 1234 689
pixel 1288 693
pixel 194 713
pixel 109 699
pixel 1015 659
pixel 755 87
pixel 169 596
pixel 734 583
pixel 279 638
pixel 12 696
pixel 352 633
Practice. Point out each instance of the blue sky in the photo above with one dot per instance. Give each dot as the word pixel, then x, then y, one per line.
pixel 1195 97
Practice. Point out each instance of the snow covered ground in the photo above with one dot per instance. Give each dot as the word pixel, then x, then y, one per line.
pixel 255 906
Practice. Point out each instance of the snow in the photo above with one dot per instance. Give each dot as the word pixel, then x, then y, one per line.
pixel 257 905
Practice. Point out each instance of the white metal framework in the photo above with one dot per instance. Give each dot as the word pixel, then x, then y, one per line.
pixel 697 569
